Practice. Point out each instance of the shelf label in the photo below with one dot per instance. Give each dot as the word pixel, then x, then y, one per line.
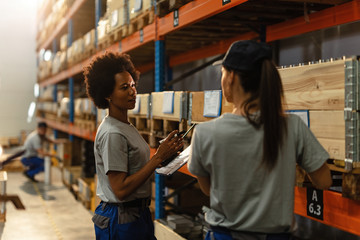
pixel 141 35
pixel 176 18
pixel 315 203
pixel 225 2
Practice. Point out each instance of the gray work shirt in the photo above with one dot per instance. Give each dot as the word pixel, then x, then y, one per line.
pixel 244 197
pixel 119 147
pixel 32 144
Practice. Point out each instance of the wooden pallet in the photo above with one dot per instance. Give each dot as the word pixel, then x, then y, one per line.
pixel 346 182
pixel 104 43
pixel 118 33
pixel 89 52
pixel 89 125
pixel 166 6
pixel 141 122
pixel 161 127
pixel 143 19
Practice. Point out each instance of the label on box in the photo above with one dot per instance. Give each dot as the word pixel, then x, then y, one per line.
pixel 136 110
pixel 114 18
pixel 303 114
pixel 168 102
pixel 212 103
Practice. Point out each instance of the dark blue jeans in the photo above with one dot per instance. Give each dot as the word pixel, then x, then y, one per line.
pixel 35 165
pixel 226 235
pixel 107 226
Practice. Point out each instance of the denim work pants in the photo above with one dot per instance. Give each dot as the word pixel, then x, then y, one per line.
pixel 138 226
pixel 35 165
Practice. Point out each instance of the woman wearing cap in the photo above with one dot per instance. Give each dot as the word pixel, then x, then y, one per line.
pixel 246 160
pixel 122 156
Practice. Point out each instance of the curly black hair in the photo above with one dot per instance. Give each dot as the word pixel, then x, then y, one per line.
pixel 100 76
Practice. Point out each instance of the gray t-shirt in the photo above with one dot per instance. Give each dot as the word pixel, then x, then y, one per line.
pixel 119 147
pixel 243 196
pixel 32 144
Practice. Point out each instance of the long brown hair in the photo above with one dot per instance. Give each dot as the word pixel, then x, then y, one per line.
pixel 265 85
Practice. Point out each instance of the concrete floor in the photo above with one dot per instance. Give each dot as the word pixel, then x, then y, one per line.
pixel 52 212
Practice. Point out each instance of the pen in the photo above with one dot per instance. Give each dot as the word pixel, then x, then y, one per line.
pixel 192 126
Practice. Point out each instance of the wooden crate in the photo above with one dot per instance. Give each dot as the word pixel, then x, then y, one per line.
pixel 320 88
pixel 196 111
pixel 315 87
pixel 142 107
pixel 329 129
pixel 163 232
pixel 179 106
pixel 160 128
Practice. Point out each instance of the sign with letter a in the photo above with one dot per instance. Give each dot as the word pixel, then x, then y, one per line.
pixel 315 204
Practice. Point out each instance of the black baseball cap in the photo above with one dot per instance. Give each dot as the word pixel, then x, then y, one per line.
pixel 42 124
pixel 245 55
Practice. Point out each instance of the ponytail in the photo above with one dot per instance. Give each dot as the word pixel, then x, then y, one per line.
pixel 272 115
pixel 266 87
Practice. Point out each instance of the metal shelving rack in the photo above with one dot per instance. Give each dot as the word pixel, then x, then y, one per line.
pixel 339 212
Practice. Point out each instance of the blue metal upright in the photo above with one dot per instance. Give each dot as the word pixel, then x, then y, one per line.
pixel 71 80
pixel 55 100
pixel 159 65
pixel 159 86
pixel 97 18
pixel 54 50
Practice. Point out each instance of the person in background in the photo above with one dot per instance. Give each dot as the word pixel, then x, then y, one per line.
pixel 33 158
pixel 122 156
pixel 246 160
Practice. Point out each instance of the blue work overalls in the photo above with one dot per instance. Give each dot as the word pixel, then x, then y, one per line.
pixel 106 223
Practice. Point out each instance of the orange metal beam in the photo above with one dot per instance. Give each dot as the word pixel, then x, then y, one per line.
pixel 63 22
pixel 338 212
pixel 70 129
pixel 146 67
pixel 193 12
pixel 133 41
pixel 185 170
pixel 341 14
pixel 208 51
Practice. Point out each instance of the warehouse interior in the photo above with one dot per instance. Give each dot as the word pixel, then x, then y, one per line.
pixel 46 44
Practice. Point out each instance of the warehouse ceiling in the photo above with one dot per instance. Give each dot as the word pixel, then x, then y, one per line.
pixel 251 16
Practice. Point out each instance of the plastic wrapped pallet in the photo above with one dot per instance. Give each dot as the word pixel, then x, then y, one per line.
pixel 64 42
pixel 89 40
pixel 136 7
pixel 102 29
pixel 118 17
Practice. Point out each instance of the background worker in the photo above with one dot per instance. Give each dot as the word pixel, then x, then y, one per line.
pixel 122 156
pixel 33 158
pixel 246 160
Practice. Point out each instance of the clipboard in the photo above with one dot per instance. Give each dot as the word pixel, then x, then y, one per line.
pixel 178 161
pixel 175 164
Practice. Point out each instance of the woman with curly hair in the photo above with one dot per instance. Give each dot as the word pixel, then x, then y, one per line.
pixel 121 154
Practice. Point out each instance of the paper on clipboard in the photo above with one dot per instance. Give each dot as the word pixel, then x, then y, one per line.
pixel 175 164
